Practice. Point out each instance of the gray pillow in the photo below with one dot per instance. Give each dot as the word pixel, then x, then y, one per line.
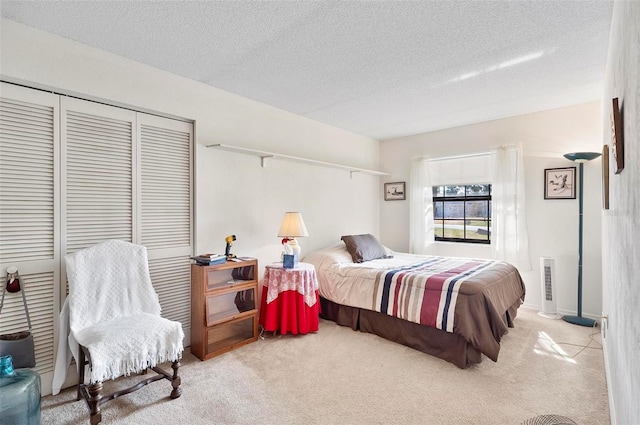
pixel 364 248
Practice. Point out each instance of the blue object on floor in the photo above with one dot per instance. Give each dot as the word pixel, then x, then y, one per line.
pixel 579 320
pixel 19 394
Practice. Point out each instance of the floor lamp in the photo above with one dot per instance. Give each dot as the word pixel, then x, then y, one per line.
pixel 580 158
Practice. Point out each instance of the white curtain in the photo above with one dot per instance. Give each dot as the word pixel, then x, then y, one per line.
pixel 509 239
pixel 421 207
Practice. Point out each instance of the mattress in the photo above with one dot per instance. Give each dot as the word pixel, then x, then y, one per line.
pixel 475 299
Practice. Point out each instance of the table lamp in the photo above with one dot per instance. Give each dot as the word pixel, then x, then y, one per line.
pixel 293 227
pixel 580 158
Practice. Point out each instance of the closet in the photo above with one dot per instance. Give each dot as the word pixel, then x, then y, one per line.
pixel 75 172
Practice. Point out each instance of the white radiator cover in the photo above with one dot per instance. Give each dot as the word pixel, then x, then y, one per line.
pixel 548 281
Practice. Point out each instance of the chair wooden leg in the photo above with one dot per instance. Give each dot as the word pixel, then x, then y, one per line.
pixel 92 393
pixel 175 380
pixel 94 402
pixel 81 364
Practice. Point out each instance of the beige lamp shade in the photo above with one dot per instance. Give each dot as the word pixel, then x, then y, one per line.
pixel 292 226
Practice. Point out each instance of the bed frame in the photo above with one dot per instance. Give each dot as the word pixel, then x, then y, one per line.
pixel 447 346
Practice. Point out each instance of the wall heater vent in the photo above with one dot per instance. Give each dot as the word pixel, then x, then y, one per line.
pixel 548 280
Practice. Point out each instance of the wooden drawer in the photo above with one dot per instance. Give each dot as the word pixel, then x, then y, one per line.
pixel 225 277
pixel 231 334
pixel 229 305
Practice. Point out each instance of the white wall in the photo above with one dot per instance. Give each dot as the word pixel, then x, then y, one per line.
pixel 234 195
pixel 552 224
pixel 621 223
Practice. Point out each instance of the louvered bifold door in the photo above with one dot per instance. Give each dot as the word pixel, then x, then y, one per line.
pixel 165 198
pixel 29 211
pixel 97 149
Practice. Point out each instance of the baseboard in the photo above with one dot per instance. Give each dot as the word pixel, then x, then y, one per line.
pixel 562 312
pixel 607 374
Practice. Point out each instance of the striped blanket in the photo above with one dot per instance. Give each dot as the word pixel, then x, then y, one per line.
pixel 426 292
pixel 474 299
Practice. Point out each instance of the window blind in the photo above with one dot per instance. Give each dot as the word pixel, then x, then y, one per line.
pixel 165 184
pixel 27 175
pixel 166 210
pixel 74 173
pixel 462 170
pixel 98 141
pixel 29 234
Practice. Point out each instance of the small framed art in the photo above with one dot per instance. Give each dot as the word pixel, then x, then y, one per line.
pixel 560 183
pixel 617 136
pixel 605 177
pixel 394 191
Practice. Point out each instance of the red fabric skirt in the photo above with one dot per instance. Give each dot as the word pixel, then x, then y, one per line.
pixel 289 313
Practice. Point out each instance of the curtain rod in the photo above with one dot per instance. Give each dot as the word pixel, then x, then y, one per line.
pixel 466 155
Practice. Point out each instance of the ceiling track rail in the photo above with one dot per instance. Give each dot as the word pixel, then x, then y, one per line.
pixel 265 156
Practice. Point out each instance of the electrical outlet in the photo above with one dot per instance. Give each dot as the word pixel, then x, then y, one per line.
pixel 604 323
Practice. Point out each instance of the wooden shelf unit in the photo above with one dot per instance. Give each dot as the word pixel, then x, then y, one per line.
pixel 224 307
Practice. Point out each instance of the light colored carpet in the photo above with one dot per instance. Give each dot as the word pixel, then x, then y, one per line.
pixel 339 376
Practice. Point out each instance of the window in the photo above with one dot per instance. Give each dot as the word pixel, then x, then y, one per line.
pixel 462 213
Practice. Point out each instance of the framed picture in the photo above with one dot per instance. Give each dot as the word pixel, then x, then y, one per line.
pixel 394 191
pixel 617 136
pixel 605 177
pixel 560 183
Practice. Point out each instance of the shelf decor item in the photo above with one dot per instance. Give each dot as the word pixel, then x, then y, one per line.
pixel 580 158
pixel 292 227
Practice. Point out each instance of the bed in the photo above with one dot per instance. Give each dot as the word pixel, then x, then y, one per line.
pixel 456 309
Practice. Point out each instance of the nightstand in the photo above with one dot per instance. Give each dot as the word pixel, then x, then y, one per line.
pixel 290 302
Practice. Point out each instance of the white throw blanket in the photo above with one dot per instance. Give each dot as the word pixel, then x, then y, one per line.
pixel 115 313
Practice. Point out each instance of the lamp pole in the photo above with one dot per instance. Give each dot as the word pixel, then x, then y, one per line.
pixel 580 227
pixel 580 158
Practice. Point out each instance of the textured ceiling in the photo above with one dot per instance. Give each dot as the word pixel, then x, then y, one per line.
pixel 379 68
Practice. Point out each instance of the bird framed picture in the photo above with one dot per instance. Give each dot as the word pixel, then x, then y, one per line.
pixel 617 136
pixel 560 183
pixel 394 191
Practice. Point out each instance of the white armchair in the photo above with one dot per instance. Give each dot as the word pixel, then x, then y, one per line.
pixel 114 314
